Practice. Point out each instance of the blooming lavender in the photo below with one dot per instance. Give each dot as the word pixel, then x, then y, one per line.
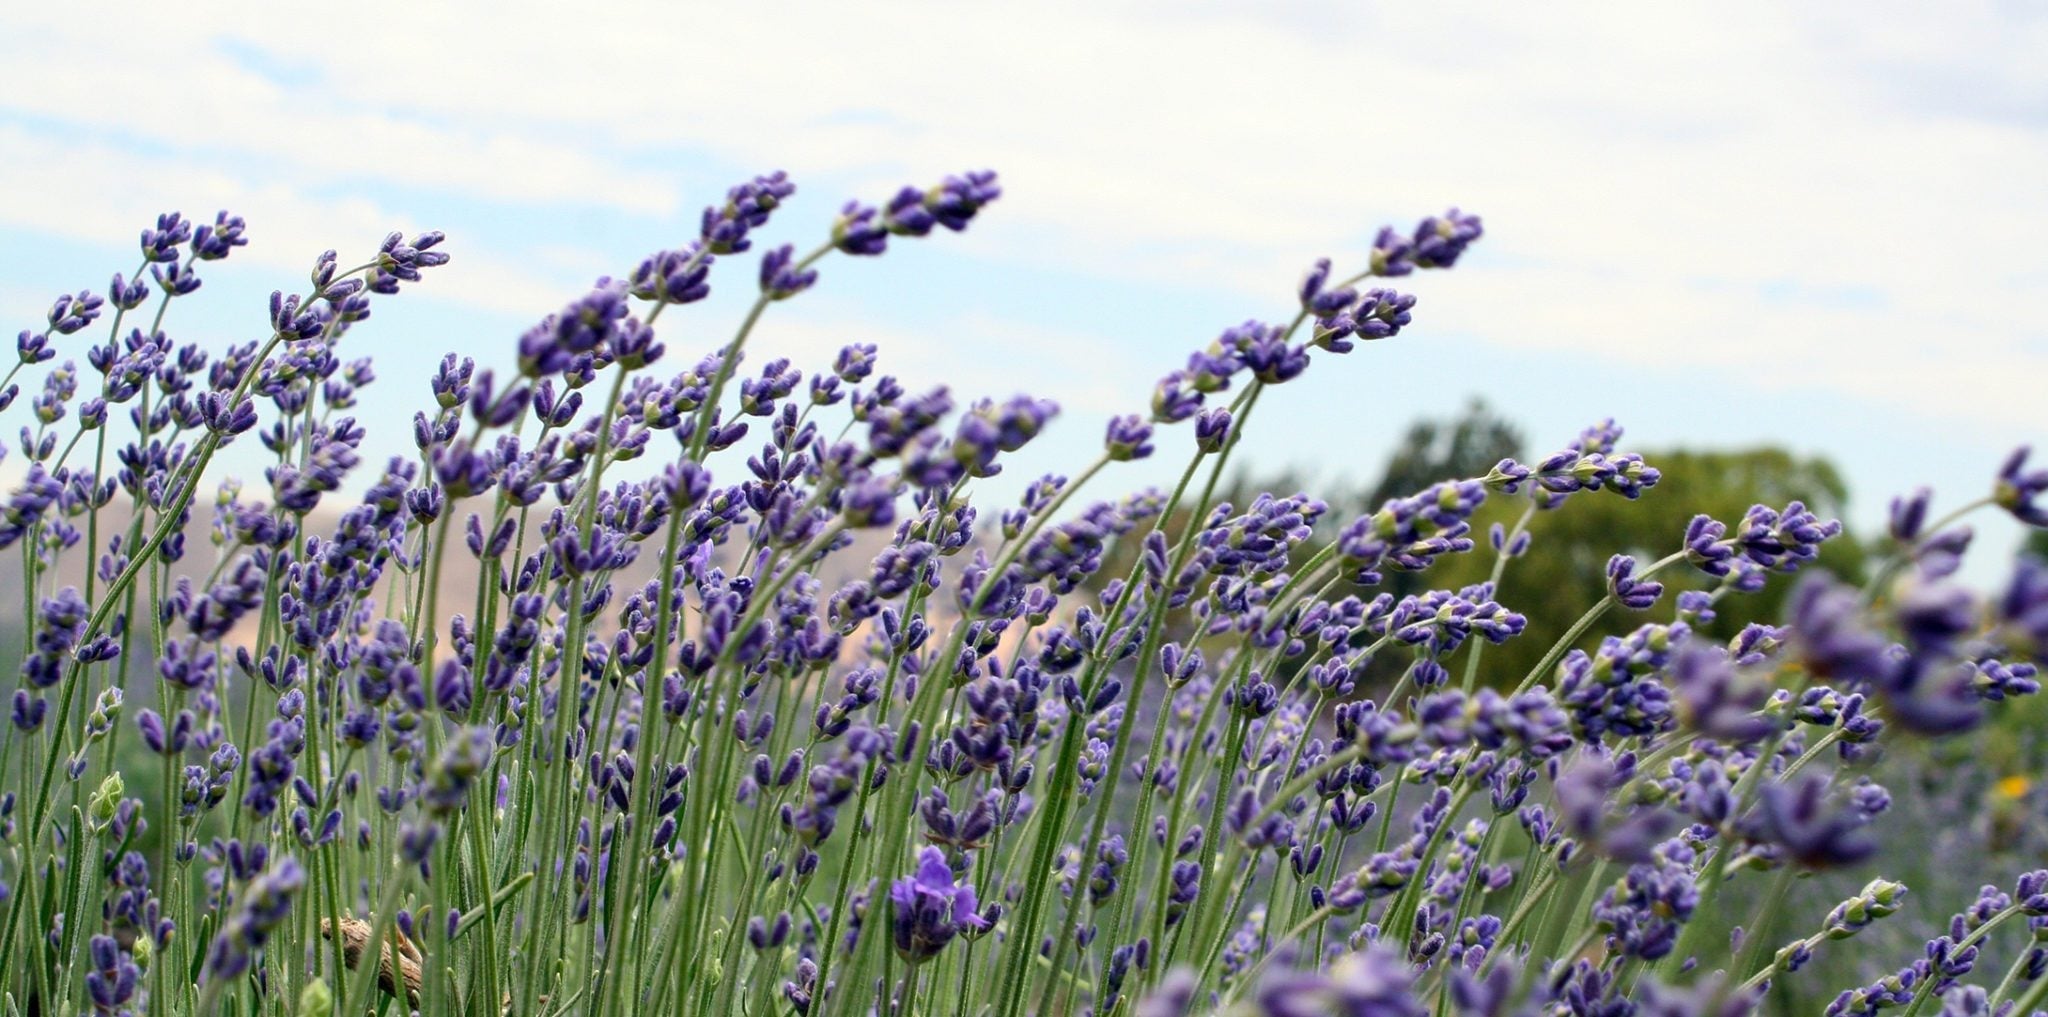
pixel 929 910
pixel 651 678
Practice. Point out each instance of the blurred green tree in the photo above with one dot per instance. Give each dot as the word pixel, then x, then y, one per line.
pixel 1433 450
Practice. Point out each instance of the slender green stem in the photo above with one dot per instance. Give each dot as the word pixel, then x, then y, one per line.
pixel 1500 565
pixel 1756 935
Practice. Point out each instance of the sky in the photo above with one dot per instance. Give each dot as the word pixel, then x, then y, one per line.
pixel 1730 225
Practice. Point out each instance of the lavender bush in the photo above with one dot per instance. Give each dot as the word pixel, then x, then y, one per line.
pixel 748 709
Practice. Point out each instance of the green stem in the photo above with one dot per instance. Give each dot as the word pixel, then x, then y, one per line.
pixel 1564 643
pixel 1500 565
pixel 1756 944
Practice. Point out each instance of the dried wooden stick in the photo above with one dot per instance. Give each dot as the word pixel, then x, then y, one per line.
pixel 402 960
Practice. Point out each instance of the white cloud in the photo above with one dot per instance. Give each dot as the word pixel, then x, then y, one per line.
pixel 169 81
pixel 1652 175
pixel 96 192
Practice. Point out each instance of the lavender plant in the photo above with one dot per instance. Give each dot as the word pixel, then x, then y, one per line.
pixel 750 709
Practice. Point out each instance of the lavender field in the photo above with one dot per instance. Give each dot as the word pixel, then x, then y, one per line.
pixel 652 683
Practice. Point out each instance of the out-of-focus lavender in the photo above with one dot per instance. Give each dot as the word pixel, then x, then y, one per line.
pixel 650 679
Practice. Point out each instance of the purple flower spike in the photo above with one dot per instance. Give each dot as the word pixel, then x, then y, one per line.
pixel 746 208
pixel 216 241
pixel 1796 816
pixel 1128 438
pixel 673 277
pixel 782 277
pixel 1318 300
pixel 955 201
pixel 930 909
pixel 2018 491
pixel 1439 240
pixel 859 230
pixel 1589 464
pixel 113 979
pixel 71 313
pixel 1935 616
pixel 1933 695
pixel 1909 514
pixel 399 261
pixel 127 294
pixel 1828 626
pixel 2024 607
pixel 260 907
pixel 171 230
pixel 906 215
pixel 587 325
pixel 1622 584
pixel 1371 983
pixel 1381 313
pixel 1715 702
pixel 1212 430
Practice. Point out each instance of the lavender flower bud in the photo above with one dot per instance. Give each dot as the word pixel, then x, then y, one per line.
pixel 2017 490
pixel 1879 898
pixel 1796 817
pixel 1128 438
pixel 747 207
pixel 259 907
pixel 673 277
pixel 781 277
pixel 929 909
pixel 2022 610
pixel 1632 593
pixel 1213 430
